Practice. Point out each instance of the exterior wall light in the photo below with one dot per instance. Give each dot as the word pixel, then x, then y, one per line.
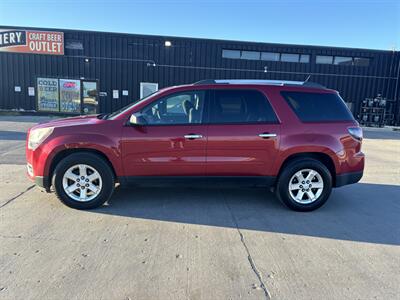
pixel 168 44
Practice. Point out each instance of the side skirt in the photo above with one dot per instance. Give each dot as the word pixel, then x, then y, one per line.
pixel 198 181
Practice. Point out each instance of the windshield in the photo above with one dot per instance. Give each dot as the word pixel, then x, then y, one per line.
pixel 129 106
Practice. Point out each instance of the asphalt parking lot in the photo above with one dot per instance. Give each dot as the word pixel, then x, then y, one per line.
pixel 184 243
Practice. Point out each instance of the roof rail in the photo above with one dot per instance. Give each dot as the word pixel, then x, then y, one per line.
pixel 313 85
pixel 260 81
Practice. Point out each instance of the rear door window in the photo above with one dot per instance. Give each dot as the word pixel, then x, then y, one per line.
pixel 318 107
pixel 241 106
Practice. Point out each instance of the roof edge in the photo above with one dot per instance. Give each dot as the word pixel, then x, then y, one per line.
pixel 201 39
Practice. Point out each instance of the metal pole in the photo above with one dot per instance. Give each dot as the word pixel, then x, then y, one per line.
pixel 396 98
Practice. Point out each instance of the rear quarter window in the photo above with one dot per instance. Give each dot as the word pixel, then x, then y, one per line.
pixel 318 107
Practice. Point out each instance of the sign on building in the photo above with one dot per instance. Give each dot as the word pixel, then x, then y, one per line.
pixel 31 41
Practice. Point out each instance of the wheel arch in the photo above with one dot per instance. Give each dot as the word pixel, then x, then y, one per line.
pixel 66 152
pixel 324 158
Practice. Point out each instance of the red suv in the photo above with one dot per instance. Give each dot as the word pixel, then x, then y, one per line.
pixel 299 138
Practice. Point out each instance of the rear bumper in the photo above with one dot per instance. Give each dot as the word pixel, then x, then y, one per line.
pixel 348 178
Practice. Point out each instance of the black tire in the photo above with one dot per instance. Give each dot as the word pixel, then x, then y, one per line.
pixel 92 160
pixel 282 188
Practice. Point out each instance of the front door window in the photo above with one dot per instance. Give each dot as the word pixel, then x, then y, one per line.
pixel 180 108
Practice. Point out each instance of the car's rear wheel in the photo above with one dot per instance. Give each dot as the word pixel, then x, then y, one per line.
pixel 304 185
pixel 83 181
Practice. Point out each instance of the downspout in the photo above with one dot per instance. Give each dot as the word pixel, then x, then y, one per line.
pixel 396 98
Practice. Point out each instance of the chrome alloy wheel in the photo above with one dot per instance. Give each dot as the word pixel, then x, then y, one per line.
pixel 82 183
pixel 306 186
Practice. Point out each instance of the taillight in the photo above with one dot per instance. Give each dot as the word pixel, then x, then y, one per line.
pixel 356 133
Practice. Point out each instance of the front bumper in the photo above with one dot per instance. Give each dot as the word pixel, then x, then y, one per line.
pixel 43 182
pixel 348 178
pixel 36 166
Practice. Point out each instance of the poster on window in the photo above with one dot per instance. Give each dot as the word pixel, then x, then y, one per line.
pixel 47 90
pixel 70 96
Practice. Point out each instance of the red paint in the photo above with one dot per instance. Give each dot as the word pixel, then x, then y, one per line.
pixel 232 150
pixel 69 85
pixel 163 150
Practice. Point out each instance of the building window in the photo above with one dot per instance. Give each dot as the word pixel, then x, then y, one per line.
pixel 296 58
pixel 147 88
pixel 343 60
pixel 266 56
pixel 230 53
pixel 289 57
pixel 253 55
pixel 70 96
pixel 361 61
pixel 323 59
pixel 270 56
pixel 305 58
pixel 89 96
pixel 48 95
pixel 64 95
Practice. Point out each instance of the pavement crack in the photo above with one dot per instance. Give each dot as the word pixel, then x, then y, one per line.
pixel 15 197
pixel 10 236
pixel 249 256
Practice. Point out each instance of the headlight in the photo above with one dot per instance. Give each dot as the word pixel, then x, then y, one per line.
pixel 37 136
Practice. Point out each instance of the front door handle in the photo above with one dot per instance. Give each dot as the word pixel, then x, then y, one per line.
pixel 193 136
pixel 266 135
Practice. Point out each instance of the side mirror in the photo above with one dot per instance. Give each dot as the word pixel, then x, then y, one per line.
pixel 137 119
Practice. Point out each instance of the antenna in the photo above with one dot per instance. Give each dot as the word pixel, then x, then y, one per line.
pixel 308 77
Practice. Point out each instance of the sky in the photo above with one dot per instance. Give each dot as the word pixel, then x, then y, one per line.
pixel 352 23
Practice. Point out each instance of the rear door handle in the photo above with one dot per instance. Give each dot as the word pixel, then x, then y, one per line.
pixel 266 135
pixel 193 136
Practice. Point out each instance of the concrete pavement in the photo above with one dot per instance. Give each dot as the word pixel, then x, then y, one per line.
pixel 194 243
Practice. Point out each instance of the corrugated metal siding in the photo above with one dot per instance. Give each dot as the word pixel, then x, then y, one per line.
pixel 122 61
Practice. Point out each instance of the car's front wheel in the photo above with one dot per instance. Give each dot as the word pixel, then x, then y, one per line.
pixel 304 185
pixel 83 181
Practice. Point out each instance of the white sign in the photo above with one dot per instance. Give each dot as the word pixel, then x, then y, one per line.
pixel 31 91
pixel 125 93
pixel 147 88
pixel 17 89
pixel 115 94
